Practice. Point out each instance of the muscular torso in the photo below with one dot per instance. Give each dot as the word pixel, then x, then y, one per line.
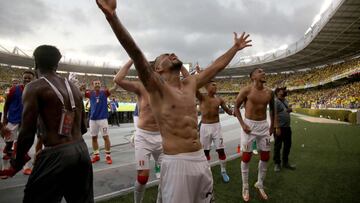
pixel 146 118
pixel 50 111
pixel 256 103
pixel 209 108
pixel 175 112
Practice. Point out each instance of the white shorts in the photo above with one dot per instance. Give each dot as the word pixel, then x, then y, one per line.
pixel 147 143
pixel 14 132
pixel 99 125
pixel 259 132
pixel 211 133
pixel 186 178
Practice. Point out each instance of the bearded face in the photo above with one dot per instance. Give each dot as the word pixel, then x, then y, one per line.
pixel 168 62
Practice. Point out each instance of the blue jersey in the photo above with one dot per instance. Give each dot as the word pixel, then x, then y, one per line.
pixel 98 105
pixel 15 104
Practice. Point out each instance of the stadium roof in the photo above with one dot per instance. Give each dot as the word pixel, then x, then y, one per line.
pixel 26 61
pixel 335 37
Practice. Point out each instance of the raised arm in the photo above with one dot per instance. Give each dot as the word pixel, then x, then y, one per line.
pixel 221 62
pixel 197 68
pixel 146 74
pixel 127 85
pixel 240 99
pixel 199 96
pixel 225 108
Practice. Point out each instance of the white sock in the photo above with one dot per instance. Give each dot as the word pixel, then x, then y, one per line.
pixel 139 192
pixel 245 174
pixel 262 168
pixel 223 165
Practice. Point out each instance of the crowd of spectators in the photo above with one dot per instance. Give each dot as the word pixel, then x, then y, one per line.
pixel 343 96
pixel 291 79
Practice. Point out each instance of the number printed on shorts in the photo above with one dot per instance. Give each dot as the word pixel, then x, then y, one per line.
pixel 246 147
pixel 141 162
pixel 105 131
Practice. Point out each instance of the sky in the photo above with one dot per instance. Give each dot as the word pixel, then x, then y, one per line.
pixel 195 30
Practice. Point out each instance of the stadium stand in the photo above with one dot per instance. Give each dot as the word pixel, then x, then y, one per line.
pixel 335 96
pixel 344 96
pixel 293 79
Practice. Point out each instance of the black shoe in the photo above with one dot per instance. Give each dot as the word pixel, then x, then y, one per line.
pixel 289 166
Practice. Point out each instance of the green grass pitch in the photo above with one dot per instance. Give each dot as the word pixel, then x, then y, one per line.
pixel 328 169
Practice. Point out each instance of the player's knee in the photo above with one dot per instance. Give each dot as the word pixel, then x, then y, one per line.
pixel 142 179
pixel 207 154
pixel 264 156
pixel 221 153
pixel 246 157
pixel 94 138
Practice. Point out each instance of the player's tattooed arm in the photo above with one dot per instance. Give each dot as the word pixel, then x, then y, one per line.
pixel 146 74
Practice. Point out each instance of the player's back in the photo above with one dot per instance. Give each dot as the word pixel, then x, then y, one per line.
pixel 51 109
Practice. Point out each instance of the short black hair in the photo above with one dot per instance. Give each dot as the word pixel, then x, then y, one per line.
pixel 278 89
pixel 252 71
pixel 28 72
pixel 47 57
